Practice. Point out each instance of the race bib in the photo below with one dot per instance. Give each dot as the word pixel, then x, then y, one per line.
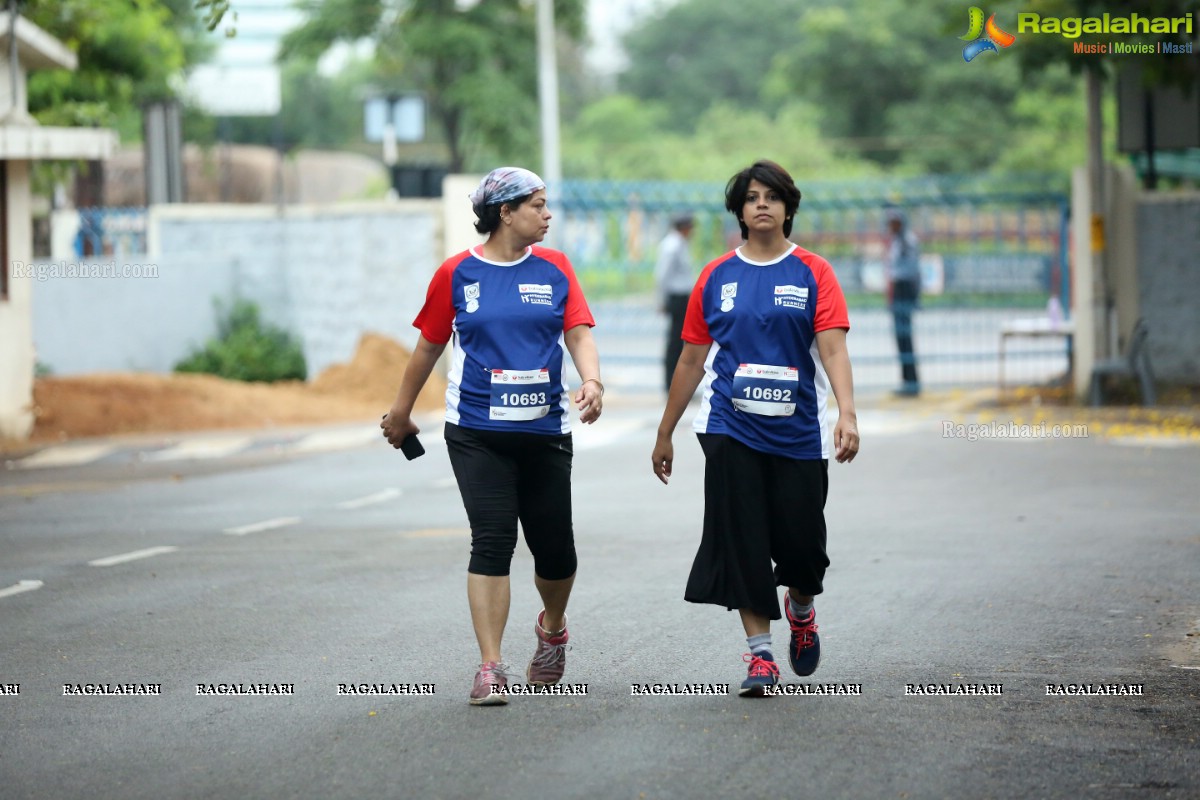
pixel 520 394
pixel 763 389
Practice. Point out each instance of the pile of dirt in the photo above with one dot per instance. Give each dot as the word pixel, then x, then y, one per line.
pixel 374 374
pixel 126 403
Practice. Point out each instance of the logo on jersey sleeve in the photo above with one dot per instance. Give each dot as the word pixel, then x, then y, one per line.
pixel 471 295
pixel 539 294
pixel 728 292
pixel 790 296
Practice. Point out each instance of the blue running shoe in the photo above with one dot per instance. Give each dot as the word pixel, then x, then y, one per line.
pixel 804 648
pixel 763 672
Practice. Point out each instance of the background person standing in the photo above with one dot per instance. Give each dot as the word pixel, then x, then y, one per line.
pixel 674 275
pixel 902 267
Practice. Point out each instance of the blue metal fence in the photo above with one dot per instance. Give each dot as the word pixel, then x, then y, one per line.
pixel 994 249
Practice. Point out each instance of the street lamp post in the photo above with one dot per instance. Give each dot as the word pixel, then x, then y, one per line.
pixel 548 97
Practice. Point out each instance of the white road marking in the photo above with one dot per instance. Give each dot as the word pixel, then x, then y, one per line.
pixel 322 441
pixel 21 586
pixel 65 456
pixel 435 533
pixel 218 447
pixel 602 433
pixel 371 499
pixel 134 556
pixel 890 423
pixel 444 483
pixel 1154 441
pixel 265 525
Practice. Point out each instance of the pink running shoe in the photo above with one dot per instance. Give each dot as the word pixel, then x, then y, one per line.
pixel 550 659
pixel 491 675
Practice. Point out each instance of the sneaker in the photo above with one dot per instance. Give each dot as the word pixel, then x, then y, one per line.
pixel 550 659
pixel 804 648
pixel 491 674
pixel 763 672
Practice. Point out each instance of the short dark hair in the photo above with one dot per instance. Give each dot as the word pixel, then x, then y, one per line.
pixel 489 220
pixel 770 174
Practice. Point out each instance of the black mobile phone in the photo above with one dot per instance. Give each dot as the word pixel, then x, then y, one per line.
pixel 411 447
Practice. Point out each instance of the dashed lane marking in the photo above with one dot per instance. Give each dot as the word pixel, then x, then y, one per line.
pixel 136 555
pixel 371 499
pixel 436 533
pixel 265 525
pixel 219 447
pixel 65 456
pixel 336 440
pixel 21 586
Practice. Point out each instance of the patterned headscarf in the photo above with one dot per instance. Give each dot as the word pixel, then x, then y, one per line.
pixel 503 184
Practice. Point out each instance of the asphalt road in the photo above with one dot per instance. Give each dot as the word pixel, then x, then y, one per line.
pixel 1019 563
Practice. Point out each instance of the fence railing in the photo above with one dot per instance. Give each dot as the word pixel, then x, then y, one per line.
pixel 993 249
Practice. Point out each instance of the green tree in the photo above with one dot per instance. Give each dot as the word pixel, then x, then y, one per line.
pixel 129 54
pixel 700 52
pixel 476 64
pixel 623 138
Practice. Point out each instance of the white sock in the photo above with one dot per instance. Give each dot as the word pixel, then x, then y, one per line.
pixel 760 643
pixel 798 611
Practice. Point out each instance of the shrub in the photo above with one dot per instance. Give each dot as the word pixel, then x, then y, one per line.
pixel 247 348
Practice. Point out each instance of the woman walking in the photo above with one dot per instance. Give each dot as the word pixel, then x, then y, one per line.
pixel 512 309
pixel 766 334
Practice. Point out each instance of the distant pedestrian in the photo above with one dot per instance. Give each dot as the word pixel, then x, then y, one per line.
pixel 902 267
pixel 674 276
pixel 513 310
pixel 766 333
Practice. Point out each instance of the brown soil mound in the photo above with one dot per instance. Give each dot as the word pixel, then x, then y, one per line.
pixel 374 374
pixel 124 403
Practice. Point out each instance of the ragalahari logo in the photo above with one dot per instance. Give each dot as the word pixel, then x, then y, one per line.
pixel 992 35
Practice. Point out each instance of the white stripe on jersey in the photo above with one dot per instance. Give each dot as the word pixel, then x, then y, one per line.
pixel 821 385
pixel 564 401
pixel 700 424
pixel 454 380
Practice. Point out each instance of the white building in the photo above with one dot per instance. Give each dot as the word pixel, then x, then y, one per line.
pixel 23 141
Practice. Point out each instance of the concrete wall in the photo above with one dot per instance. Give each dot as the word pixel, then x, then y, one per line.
pixel 328 274
pixel 1168 225
pixel 16 356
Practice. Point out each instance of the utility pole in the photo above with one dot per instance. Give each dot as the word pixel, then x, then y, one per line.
pixel 548 99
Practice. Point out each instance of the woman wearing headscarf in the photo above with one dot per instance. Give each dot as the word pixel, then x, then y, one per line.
pixel 512 309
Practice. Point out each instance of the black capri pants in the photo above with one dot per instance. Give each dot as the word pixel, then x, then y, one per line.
pixel 758 509
pixel 509 476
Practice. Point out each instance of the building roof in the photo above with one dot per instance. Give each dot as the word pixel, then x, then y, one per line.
pixel 36 49
pixel 38 143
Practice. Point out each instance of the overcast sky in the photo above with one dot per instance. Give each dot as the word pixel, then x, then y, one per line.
pixel 607 20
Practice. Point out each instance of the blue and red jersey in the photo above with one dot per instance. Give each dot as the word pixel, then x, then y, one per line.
pixel 507 321
pixel 764 384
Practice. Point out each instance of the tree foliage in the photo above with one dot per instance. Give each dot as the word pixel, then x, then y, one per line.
pixel 129 54
pixel 475 64
pixel 885 81
pixel 698 52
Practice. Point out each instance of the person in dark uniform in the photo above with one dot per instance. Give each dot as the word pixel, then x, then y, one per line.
pixel 674 276
pixel 902 266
